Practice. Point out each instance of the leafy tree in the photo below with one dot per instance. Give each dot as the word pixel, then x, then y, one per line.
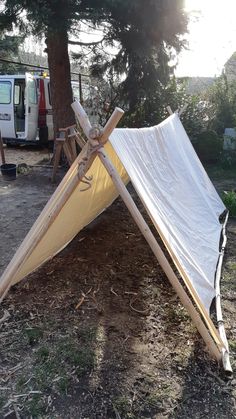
pixel 145 33
pixel 221 105
pixel 9 46
pixel 153 110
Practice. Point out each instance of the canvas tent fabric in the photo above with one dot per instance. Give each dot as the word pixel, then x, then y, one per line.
pixel 174 188
pixel 79 210
pixel 179 197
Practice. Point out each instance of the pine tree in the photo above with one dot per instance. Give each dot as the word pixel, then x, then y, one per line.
pixel 145 33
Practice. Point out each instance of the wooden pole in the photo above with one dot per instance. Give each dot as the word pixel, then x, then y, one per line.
pixel 145 230
pixel 220 321
pixel 169 110
pixel 2 150
pixel 111 123
pixel 82 117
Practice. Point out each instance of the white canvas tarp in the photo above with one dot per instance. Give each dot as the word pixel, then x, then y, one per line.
pixel 178 195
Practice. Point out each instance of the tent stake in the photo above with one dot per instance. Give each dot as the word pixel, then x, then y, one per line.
pixel 145 230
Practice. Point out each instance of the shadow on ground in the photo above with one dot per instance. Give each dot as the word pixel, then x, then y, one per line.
pixel 97 332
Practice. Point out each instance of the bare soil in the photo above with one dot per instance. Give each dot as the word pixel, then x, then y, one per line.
pixel 98 332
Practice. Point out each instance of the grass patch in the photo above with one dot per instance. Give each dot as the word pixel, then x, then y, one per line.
pixel 232 345
pixel 33 335
pixel 217 172
pixel 229 199
pixel 2 402
pixel 82 358
pixel 122 407
pixel 53 366
pixel 35 407
pixel 87 334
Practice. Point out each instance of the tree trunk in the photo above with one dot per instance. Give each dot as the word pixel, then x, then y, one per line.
pixel 60 79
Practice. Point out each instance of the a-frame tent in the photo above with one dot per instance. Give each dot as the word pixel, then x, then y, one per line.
pixel 96 178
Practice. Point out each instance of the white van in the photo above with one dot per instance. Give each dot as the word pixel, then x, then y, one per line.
pixel 26 110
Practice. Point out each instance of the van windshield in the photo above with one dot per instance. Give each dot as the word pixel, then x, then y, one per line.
pixel 5 92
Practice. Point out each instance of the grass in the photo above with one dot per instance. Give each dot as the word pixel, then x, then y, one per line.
pixel 217 172
pixel 145 405
pixel 229 199
pixel 55 366
pixel 122 407
pixel 232 345
pixel 33 335
pixel 35 407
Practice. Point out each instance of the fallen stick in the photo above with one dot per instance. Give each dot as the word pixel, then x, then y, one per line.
pixel 16 411
pixel 80 302
pixel 5 316
pixel 113 292
pixel 135 309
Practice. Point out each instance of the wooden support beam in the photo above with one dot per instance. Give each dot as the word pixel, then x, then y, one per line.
pixel 111 123
pixel 169 110
pixel 82 117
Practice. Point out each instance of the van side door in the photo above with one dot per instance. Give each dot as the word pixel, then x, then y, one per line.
pixel 31 108
pixel 7 122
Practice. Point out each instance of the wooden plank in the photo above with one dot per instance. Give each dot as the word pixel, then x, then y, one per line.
pixel 68 153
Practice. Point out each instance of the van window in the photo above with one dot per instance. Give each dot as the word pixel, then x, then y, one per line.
pixel 32 92
pixel 5 92
pixel 17 95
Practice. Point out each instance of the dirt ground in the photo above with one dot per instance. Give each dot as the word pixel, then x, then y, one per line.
pixel 98 332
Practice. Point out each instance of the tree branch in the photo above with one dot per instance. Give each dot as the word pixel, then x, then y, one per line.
pixel 85 44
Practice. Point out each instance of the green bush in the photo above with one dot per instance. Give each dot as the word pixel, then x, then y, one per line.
pixel 229 200
pixel 208 146
pixel 228 159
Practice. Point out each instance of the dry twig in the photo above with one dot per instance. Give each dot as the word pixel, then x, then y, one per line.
pixel 113 292
pixel 5 316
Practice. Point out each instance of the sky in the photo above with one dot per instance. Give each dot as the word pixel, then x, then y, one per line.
pixel 212 37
